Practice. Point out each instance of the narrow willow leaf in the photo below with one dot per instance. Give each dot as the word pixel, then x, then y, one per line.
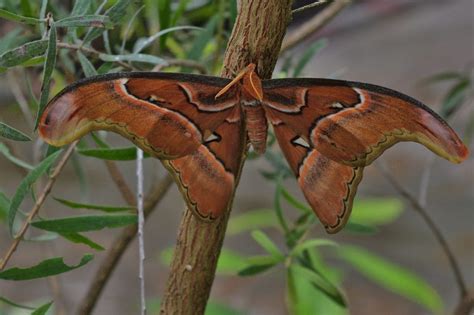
pixel 6 152
pixel 115 13
pixel 81 7
pixel 42 14
pixel 258 264
pixel 42 309
pixel 49 65
pixel 81 239
pixel 278 208
pixel 11 39
pixel 455 97
pixel 76 205
pixel 114 154
pixel 252 220
pixel 376 211
pixel 18 18
pixel 295 202
pixel 308 55
pixel 359 228
pixel 85 223
pixel 263 240
pixel 4 205
pixel 145 42
pixel 298 249
pixel 11 303
pixel 204 38
pixel 12 134
pixel 25 187
pixel 392 277
pixel 46 268
pixel 319 282
pixel 100 21
pixel 134 58
pixel 23 53
pixel 86 65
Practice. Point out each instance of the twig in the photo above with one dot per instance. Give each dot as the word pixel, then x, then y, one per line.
pixel 310 6
pixel 431 224
pixel 182 63
pixel 141 223
pixel 314 24
pixel 121 183
pixel 20 98
pixel 37 205
pixel 119 246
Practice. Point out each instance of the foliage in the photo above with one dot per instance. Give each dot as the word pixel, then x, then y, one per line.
pixel 56 44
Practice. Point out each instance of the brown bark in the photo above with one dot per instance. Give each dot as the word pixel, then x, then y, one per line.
pixel 256 37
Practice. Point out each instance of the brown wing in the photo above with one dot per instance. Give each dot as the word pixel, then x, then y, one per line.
pixel 167 115
pixel 207 176
pixel 353 123
pixel 329 187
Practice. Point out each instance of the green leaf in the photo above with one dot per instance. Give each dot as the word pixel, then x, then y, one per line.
pixel 359 228
pixel 295 202
pixel 46 268
pixel 85 223
pixel 23 53
pixel 12 134
pixel 76 205
pixel 4 205
pixel 114 154
pixel 203 38
pixel 49 65
pixel 251 220
pixel 42 309
pixel 392 277
pixel 304 298
pixel 376 211
pixel 308 55
pixel 11 39
pixel 11 303
pixel 319 282
pixel 259 264
pixel 100 21
pixel 133 58
pixel 81 239
pixel 18 18
pixel 81 7
pixel 455 97
pixel 115 13
pixel 25 187
pixel 6 152
pixel 145 42
pixel 86 65
pixel 278 208
pixel 263 240
pixel 298 249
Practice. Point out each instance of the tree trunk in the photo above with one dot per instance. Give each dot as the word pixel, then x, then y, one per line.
pixel 256 37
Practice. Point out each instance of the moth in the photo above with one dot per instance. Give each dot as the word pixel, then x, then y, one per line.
pixel 198 126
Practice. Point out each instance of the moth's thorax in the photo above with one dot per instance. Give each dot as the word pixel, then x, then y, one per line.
pixel 256 122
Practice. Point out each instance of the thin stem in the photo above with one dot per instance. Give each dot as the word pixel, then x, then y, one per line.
pixel 310 6
pixel 141 223
pixel 313 25
pixel 37 205
pixel 120 244
pixel 430 223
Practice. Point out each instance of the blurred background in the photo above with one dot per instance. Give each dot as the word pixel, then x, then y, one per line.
pixel 398 44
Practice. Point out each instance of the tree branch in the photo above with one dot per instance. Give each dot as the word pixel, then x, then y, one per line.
pixel 432 226
pixel 119 245
pixel 256 37
pixel 313 25
pixel 37 206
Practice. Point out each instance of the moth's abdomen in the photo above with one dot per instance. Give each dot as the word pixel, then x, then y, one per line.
pixel 256 125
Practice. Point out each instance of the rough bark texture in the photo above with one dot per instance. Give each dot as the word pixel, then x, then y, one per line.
pixel 256 37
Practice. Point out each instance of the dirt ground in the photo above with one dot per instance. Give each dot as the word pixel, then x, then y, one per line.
pixel 393 48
